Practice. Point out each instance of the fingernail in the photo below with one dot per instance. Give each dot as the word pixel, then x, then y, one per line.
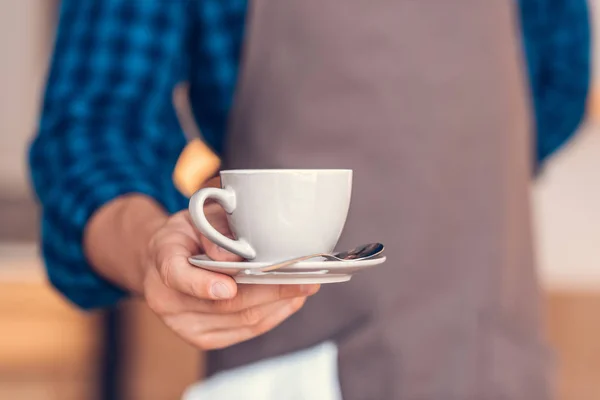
pixel 220 290
pixel 221 250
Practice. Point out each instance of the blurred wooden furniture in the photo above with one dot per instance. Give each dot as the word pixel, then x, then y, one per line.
pixel 594 103
pixel 566 203
pixel 51 351
pixel 157 365
pixel 573 321
pixel 48 350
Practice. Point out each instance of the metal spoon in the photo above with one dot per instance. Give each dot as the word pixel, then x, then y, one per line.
pixel 358 253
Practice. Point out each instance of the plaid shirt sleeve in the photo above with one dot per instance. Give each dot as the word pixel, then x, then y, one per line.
pixel 557 41
pixel 106 111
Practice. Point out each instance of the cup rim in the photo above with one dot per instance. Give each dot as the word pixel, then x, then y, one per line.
pixel 283 171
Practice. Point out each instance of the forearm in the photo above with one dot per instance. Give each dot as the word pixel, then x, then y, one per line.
pixel 117 235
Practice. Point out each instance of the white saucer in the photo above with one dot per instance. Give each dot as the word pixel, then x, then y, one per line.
pixel 304 272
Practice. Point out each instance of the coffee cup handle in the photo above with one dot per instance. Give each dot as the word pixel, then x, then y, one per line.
pixel 226 198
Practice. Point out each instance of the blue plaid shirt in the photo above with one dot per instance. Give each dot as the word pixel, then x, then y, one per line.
pixel 108 107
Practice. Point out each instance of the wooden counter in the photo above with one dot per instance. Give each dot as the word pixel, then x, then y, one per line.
pixel 48 349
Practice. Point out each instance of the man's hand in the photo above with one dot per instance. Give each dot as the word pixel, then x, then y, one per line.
pixel 206 309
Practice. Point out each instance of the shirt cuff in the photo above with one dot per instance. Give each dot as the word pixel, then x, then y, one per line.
pixel 62 240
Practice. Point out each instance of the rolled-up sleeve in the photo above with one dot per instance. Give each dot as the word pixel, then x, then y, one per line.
pixel 107 126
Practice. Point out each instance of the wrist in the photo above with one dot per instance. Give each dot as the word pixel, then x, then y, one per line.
pixel 117 236
pixel 142 217
pixel 143 248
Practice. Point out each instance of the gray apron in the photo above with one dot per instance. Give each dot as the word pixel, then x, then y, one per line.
pixel 425 101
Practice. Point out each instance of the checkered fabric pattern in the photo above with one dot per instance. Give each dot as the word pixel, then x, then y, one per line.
pixel 108 126
pixel 556 36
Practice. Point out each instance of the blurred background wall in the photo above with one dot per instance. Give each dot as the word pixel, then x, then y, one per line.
pixel 26 32
pixel 26 29
pixel 48 350
pixel 567 200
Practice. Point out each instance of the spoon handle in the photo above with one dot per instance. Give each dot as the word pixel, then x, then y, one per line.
pixel 282 264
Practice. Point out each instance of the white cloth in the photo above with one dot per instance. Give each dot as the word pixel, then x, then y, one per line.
pixel 305 375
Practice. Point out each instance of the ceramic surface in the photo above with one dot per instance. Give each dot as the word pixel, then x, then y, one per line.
pixel 313 271
pixel 278 214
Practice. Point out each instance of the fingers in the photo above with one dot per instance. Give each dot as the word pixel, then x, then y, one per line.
pixel 181 223
pixel 217 253
pixel 206 308
pixel 255 295
pixel 249 317
pixel 219 339
pixel 177 274
pixel 248 296
pixel 218 219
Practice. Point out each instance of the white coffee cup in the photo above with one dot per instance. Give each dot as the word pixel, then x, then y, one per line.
pixel 278 214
